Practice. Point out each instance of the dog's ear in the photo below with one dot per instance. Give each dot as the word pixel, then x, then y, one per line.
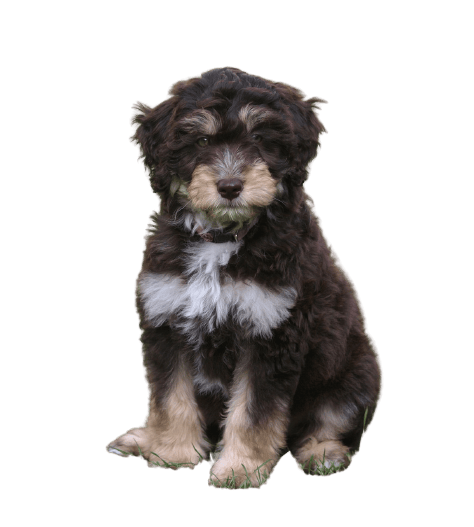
pixel 152 135
pixel 306 127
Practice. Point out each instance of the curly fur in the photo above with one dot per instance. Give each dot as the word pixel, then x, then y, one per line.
pixel 255 346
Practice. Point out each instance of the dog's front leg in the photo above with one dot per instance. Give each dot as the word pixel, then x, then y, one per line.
pixel 173 434
pixel 255 427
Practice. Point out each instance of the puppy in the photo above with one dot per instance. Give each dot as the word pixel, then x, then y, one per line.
pixel 253 340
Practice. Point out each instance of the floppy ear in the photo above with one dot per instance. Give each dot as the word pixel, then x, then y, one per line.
pixel 151 135
pixel 306 127
pixel 309 129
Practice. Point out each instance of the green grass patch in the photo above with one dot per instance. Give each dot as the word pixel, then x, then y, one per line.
pixel 319 468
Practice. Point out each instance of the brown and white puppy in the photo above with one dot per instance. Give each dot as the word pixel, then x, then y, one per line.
pixel 253 340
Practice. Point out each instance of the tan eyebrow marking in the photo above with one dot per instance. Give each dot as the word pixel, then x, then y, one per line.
pixel 201 121
pixel 253 115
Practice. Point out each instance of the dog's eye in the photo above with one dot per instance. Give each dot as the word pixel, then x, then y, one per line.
pixel 203 141
pixel 257 138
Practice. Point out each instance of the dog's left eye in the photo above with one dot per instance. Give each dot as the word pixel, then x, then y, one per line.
pixel 203 141
pixel 257 138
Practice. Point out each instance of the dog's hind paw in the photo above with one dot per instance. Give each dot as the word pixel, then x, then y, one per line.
pixel 323 458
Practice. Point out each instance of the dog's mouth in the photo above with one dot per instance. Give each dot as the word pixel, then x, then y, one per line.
pixel 230 204
pixel 231 212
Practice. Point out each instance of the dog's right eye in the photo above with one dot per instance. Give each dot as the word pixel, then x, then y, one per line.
pixel 203 141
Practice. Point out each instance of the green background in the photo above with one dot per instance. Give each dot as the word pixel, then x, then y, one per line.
pixel 392 185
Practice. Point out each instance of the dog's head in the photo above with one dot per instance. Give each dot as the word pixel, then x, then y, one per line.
pixel 228 144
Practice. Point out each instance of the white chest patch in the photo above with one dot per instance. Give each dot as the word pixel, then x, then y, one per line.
pixel 201 295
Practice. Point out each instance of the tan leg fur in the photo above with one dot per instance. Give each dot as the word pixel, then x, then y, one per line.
pixel 172 434
pixel 249 453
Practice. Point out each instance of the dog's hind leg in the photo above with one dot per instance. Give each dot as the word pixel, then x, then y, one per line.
pixel 329 417
pixel 321 445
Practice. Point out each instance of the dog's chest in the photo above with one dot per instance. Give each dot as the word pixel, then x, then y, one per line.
pixel 206 295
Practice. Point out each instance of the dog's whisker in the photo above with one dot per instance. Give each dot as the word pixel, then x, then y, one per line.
pixel 180 209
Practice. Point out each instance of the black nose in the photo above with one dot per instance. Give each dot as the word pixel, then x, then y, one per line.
pixel 230 188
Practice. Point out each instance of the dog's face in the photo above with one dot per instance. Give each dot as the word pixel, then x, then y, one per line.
pixel 228 144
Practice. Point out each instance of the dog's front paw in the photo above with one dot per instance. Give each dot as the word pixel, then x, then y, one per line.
pixel 147 443
pixel 134 443
pixel 240 473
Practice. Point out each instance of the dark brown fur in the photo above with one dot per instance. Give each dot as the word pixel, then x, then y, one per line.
pixel 313 381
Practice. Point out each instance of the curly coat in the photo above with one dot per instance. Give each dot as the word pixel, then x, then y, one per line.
pixel 253 343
